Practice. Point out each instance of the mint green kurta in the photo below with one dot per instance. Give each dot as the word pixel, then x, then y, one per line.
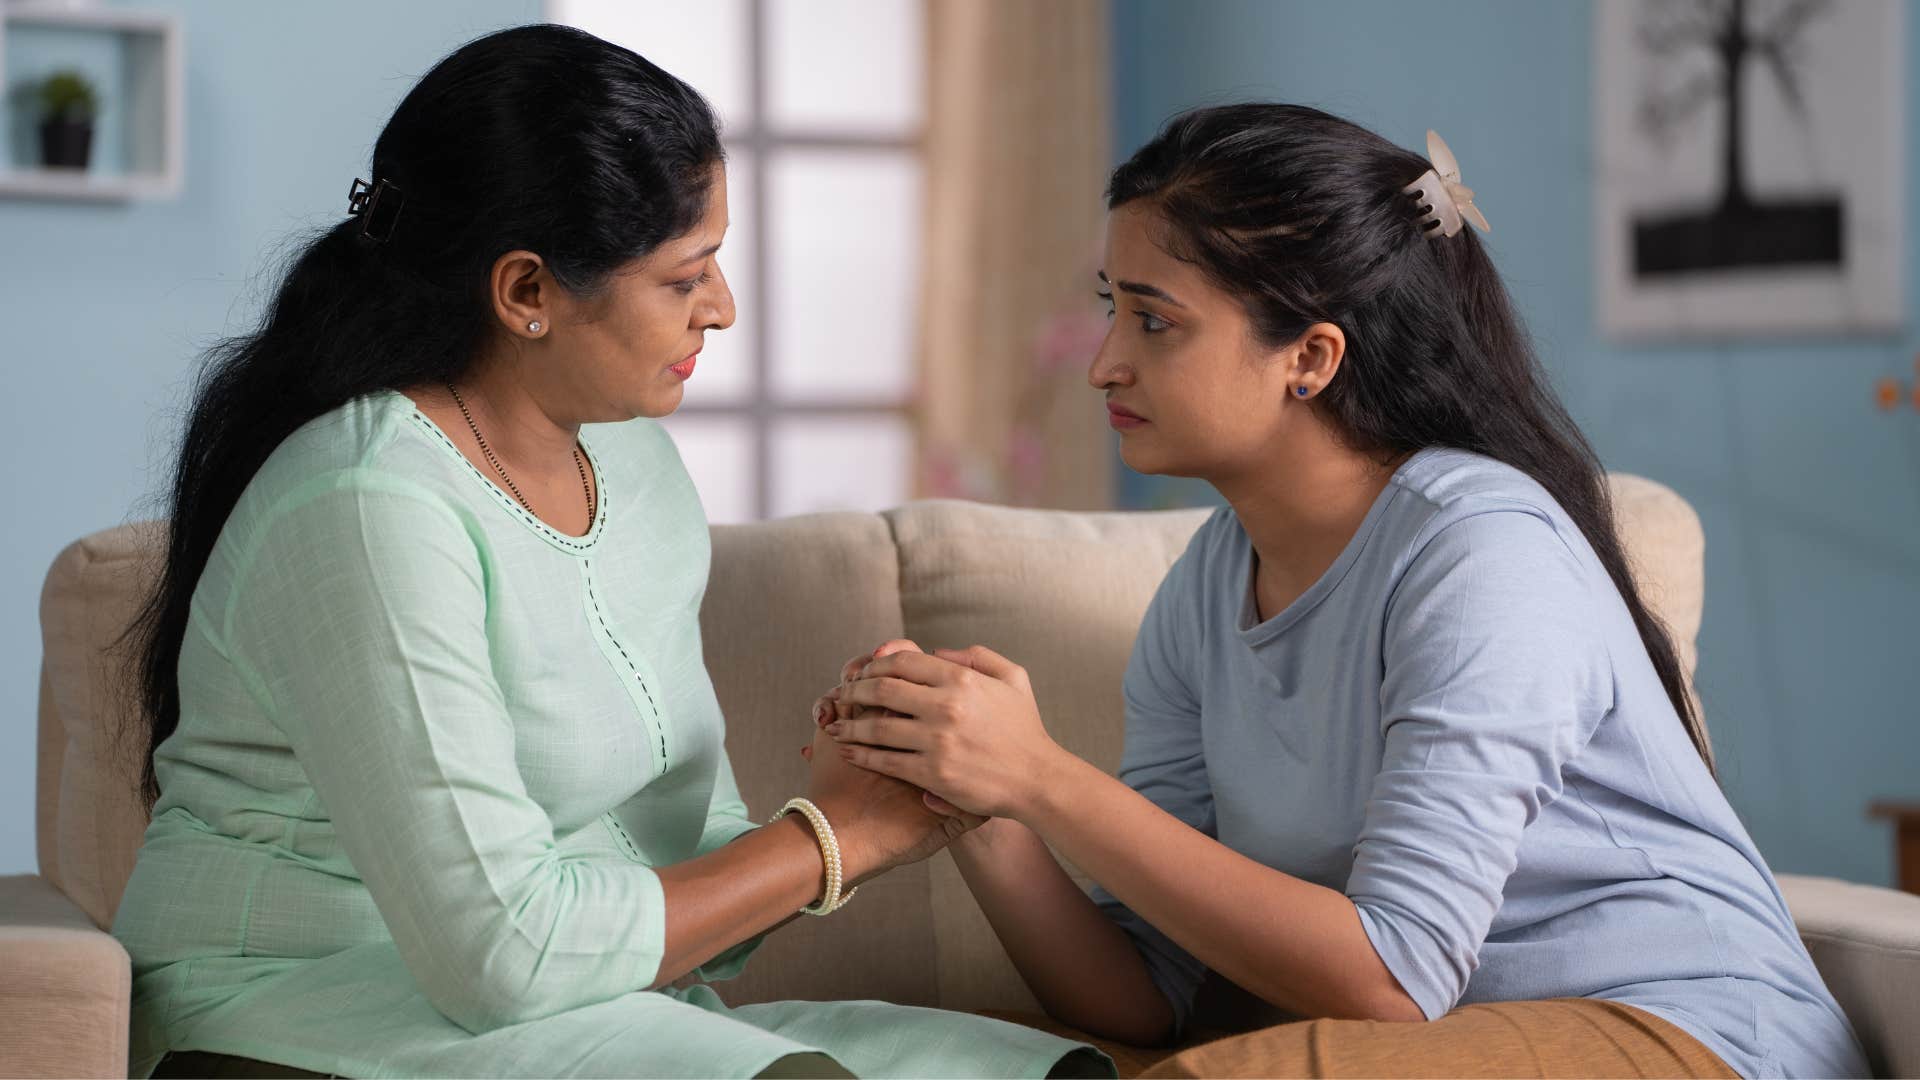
pixel 428 753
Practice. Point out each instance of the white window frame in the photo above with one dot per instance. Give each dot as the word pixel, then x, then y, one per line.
pixel 759 405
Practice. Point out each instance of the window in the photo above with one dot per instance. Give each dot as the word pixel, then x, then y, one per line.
pixel 803 405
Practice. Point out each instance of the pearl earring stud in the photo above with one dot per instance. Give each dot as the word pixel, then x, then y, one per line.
pixel 533 327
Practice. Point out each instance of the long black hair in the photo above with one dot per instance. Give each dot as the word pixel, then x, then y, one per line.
pixel 541 138
pixel 1299 214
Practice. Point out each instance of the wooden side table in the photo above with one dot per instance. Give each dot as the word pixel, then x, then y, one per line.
pixel 1906 839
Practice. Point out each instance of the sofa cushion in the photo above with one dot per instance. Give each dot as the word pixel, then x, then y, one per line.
pixel 1666 551
pixel 1866 943
pixel 1059 593
pixel 89 816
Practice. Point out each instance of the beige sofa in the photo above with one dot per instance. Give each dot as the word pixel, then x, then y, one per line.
pixel 788 602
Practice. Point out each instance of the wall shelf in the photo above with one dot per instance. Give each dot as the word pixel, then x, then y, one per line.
pixel 137 59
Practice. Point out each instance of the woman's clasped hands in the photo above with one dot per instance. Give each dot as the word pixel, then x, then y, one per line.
pixel 881 822
pixel 960 724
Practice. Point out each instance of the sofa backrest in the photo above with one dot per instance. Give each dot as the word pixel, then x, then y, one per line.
pixel 89 817
pixel 788 601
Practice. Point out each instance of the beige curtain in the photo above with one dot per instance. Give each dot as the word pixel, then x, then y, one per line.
pixel 1017 151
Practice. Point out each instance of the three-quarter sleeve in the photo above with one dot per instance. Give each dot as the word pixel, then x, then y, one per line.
pixel 359 621
pixel 1496 674
pixel 727 821
pixel 1165 762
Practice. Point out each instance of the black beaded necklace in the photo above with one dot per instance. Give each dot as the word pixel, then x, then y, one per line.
pixel 477 437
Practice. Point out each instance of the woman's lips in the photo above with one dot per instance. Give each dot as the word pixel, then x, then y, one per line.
pixel 1123 419
pixel 684 368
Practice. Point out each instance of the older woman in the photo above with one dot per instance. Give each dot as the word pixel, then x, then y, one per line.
pixel 439 770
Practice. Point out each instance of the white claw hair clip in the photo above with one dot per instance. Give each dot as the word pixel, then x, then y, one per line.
pixel 1441 199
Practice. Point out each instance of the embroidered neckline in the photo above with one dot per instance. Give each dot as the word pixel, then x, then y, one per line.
pixel 578 545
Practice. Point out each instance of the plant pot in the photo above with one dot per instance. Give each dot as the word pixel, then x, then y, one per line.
pixel 65 144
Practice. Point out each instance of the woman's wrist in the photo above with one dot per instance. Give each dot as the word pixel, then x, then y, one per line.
pixel 986 841
pixel 984 836
pixel 1053 789
pixel 797 833
pixel 835 890
pixel 857 854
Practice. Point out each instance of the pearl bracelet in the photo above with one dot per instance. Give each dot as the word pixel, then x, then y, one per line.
pixel 830 900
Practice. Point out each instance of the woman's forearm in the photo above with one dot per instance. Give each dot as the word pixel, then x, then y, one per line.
pixel 747 887
pixel 1082 967
pixel 1295 944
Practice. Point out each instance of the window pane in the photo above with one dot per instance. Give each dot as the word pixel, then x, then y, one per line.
pixel 724 374
pixel 845 255
pixel 840 463
pixel 845 66
pixel 718 451
pixel 704 42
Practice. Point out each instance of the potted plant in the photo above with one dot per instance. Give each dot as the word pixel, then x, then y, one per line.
pixel 68 103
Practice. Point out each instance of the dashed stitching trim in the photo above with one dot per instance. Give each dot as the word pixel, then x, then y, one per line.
pixel 571 543
pixel 659 728
pixel 620 833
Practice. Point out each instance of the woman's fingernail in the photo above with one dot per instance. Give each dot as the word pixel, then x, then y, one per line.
pixel 846 753
pixel 834 728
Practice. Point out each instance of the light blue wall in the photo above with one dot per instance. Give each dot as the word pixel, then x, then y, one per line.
pixel 1810 654
pixel 1811 498
pixel 104 308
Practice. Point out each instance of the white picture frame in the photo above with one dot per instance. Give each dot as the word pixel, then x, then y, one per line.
pixel 1800 227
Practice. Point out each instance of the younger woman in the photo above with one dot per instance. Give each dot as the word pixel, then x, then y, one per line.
pixel 1404 743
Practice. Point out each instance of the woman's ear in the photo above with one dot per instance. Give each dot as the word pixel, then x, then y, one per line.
pixel 523 293
pixel 1316 359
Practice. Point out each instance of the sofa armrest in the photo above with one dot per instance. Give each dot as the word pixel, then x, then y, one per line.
pixel 65 986
pixel 1866 942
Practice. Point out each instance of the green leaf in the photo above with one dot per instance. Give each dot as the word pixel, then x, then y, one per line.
pixel 68 94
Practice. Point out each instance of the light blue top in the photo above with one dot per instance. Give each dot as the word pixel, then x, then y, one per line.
pixel 1459 727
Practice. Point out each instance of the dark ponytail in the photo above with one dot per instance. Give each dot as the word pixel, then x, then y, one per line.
pixel 1300 215
pixel 541 138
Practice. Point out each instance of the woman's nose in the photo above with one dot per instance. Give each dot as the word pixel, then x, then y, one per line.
pixel 720 315
pixel 1107 369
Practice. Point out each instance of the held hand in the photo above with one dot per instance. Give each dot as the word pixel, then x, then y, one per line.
pixel 880 822
pixel 961 724
pixel 829 707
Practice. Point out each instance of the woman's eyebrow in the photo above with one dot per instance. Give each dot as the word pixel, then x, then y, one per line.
pixel 1139 288
pixel 698 256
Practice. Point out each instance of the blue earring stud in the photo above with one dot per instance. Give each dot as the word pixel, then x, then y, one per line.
pixel 1301 390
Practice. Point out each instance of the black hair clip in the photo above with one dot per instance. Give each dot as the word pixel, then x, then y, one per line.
pixel 381 198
